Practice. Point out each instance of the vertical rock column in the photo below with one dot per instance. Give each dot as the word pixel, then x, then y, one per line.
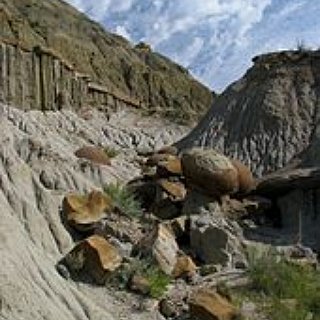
pixel 3 73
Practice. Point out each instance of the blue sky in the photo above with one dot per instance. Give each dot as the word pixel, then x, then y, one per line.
pixel 214 39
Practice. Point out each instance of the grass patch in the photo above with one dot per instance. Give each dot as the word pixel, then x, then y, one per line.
pixel 283 290
pixel 157 279
pixel 111 152
pixel 123 199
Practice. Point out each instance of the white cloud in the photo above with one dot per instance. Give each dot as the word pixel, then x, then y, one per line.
pixel 214 38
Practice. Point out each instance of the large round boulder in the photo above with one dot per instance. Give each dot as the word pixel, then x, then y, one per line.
pixel 210 171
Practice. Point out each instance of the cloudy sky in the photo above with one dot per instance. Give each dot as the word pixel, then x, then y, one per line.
pixel 214 39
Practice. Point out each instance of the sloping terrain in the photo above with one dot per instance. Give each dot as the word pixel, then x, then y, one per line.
pixel 108 59
pixel 270 117
pixel 37 168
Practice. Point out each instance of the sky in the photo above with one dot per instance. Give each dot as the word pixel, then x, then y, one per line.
pixel 214 39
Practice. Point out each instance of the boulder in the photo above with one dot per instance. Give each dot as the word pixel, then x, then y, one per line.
pixel 210 171
pixel 160 243
pixel 95 256
pixel 209 305
pixel 245 177
pixel 83 211
pixel 93 154
pixel 216 240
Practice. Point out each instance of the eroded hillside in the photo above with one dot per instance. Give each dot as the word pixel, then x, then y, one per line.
pixel 137 72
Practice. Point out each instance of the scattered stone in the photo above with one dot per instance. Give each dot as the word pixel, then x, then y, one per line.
pixel 167 308
pixel 176 190
pixel 160 243
pixel 198 203
pixel 184 268
pixel 214 240
pixel 120 226
pixel 93 154
pixel 156 158
pixel 83 211
pixel 169 167
pixel 139 284
pixel 165 209
pixel 210 171
pixel 94 255
pixel 252 205
pixel 208 305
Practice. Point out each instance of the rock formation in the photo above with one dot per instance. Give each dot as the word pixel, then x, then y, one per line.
pixel 57 53
pixel 270 116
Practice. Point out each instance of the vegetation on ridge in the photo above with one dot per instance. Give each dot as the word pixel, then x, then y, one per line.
pixel 161 85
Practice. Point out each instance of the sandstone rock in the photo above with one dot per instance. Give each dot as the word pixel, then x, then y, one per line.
pixel 176 190
pixel 94 255
pixel 245 177
pixel 185 267
pixel 210 171
pixel 93 154
pixel 208 305
pixel 139 284
pixel 160 243
pixel 156 158
pixel 83 211
pixel 169 167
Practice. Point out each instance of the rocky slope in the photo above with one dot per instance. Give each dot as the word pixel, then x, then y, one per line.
pixel 270 117
pixel 109 60
pixel 37 168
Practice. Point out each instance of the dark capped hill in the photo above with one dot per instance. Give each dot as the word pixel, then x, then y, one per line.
pixel 271 117
pixel 135 71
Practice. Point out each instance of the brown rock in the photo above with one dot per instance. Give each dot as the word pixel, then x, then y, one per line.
pixel 176 190
pixel 82 211
pixel 210 171
pixel 156 158
pixel 245 177
pixel 208 305
pixel 170 167
pixel 139 284
pixel 94 154
pixel 96 256
pixel 185 267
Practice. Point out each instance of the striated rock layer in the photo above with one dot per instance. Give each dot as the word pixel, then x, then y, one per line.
pixel 37 169
pixel 270 117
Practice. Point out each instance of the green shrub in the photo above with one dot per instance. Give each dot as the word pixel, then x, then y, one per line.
pixel 158 281
pixel 274 280
pixel 123 199
pixel 145 267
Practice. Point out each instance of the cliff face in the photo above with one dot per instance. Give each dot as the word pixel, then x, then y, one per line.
pixel 109 60
pixel 270 117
